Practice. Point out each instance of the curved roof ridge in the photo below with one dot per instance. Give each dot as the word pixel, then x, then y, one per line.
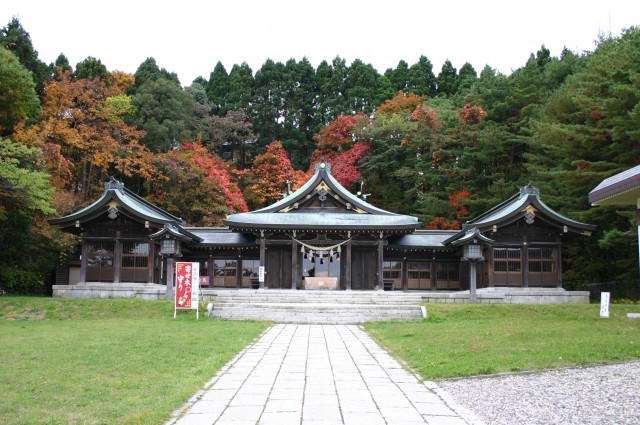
pixel 115 190
pixel 322 173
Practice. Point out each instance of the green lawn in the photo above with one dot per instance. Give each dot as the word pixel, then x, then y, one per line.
pixel 65 361
pixel 465 340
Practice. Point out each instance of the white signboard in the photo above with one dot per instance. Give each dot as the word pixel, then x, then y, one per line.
pixel 604 304
pixel 261 274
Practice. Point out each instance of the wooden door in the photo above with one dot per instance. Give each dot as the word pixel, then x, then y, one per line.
pixel 278 268
pixel 363 269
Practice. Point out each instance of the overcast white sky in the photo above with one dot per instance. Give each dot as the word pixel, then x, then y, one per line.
pixel 189 36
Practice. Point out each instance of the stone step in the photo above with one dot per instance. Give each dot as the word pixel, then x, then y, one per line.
pixel 289 306
pixel 315 297
pixel 291 314
pixel 313 312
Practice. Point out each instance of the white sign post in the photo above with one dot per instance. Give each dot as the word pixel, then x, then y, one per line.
pixel 261 274
pixel 604 304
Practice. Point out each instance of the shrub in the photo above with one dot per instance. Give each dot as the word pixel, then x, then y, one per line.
pixel 20 282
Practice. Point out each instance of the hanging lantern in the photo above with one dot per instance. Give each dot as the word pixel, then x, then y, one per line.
pixel 321 260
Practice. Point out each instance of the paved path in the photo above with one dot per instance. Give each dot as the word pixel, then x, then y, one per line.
pixel 319 375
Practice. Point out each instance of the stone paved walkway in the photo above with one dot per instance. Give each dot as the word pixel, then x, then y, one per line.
pixel 319 375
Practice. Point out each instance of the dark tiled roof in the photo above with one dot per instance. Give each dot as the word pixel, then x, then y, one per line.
pixel 222 236
pixel 526 202
pixel 356 214
pixel 429 239
pixel 124 198
pixel 620 189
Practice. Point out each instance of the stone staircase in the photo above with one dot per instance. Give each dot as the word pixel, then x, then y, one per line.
pixel 326 307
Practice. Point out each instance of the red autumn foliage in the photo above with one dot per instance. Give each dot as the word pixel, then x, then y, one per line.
pixel 339 133
pixel 215 168
pixel 344 164
pixel 269 176
pixel 455 199
pixel 471 114
pixel 195 185
pixel 426 115
pixel 440 223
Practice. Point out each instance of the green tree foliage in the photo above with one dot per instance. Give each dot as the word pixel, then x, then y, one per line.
pixel 165 113
pixel 60 65
pixel 399 77
pixel 217 88
pixel 421 79
pixel 447 79
pixel 588 130
pixel 240 88
pixel 18 99
pixel 149 70
pixel 91 68
pixel 27 248
pixel 14 38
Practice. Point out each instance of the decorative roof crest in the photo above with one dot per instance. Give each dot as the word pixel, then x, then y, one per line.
pixel 114 184
pixel 323 165
pixel 530 189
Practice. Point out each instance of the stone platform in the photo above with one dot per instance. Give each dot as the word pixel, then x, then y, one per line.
pixel 324 307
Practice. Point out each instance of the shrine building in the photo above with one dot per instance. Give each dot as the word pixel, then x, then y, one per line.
pixel 318 237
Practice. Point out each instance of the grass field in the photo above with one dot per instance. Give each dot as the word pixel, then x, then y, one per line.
pixel 65 361
pixel 465 340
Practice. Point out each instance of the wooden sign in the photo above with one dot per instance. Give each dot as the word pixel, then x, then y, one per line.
pixel 187 287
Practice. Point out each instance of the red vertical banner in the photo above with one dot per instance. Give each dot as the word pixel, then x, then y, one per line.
pixel 187 285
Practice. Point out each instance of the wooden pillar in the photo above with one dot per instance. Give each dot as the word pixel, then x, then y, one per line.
pixel 151 262
pixel 210 270
pixel 263 253
pixel 404 275
pixel 490 267
pixel 347 266
pixel 294 265
pixel 239 270
pixel 558 250
pixel 525 266
pixel 117 258
pixel 83 262
pixel 380 282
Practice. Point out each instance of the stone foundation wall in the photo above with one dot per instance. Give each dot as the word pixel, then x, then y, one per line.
pixel 511 296
pixel 149 291
pixel 485 296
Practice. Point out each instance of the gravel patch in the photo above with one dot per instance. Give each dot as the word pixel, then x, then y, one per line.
pixel 595 395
